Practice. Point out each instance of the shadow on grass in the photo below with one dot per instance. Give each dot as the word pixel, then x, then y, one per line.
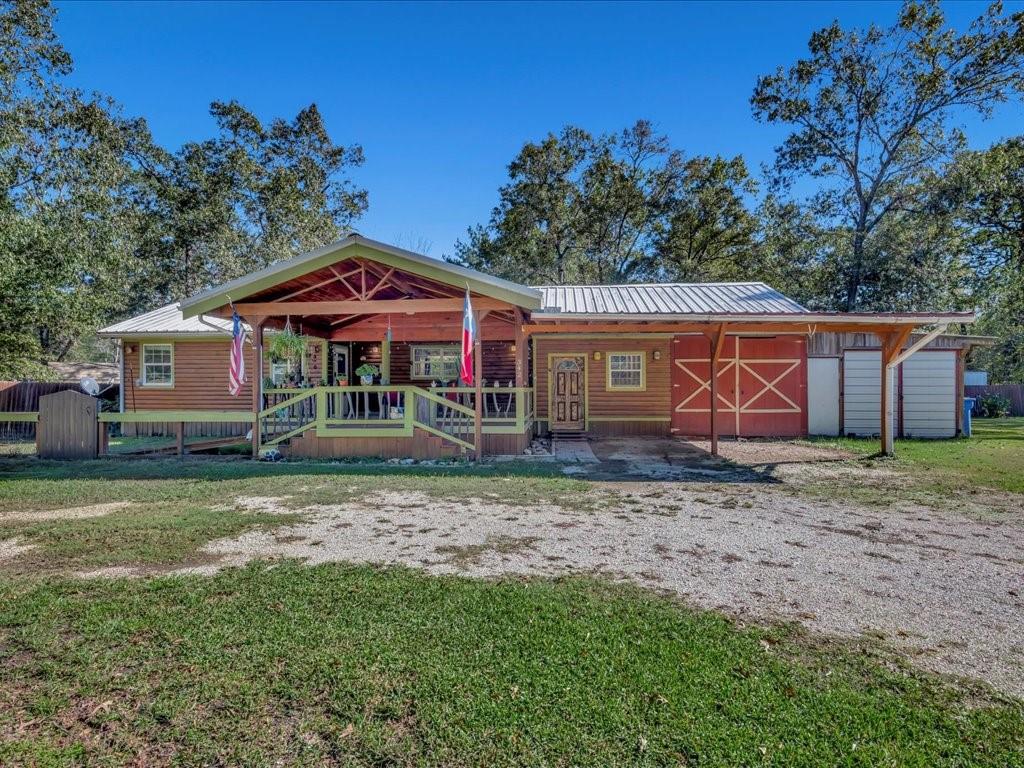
pixel 208 468
pixel 694 466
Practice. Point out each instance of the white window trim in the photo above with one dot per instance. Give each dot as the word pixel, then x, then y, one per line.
pixel 641 387
pixel 142 360
pixel 453 348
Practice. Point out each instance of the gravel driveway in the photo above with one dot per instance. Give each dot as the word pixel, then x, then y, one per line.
pixel 943 587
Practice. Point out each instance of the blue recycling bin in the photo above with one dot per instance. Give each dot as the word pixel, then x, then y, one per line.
pixel 968 407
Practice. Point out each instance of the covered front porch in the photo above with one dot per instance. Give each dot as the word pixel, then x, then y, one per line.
pixel 396 420
pixel 379 373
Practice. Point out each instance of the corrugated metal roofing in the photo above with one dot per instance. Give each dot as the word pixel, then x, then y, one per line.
pixel 168 320
pixel 666 298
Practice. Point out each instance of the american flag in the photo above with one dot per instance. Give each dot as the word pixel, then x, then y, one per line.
pixel 236 374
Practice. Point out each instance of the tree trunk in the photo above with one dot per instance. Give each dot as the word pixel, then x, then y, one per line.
pixel 853 280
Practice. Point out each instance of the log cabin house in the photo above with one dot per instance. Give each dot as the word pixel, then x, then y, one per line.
pixel 570 360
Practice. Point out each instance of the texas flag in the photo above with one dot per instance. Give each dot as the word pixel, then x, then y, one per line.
pixel 468 340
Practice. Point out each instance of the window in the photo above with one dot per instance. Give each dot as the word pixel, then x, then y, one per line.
pixel 280 370
pixel 435 363
pixel 626 371
pixel 157 365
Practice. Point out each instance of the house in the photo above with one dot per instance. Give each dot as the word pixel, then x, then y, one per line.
pixel 571 360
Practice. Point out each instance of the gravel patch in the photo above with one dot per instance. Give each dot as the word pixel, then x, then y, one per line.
pixel 11 548
pixel 71 513
pixel 944 588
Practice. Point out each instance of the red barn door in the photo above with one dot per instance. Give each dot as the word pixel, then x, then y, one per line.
pixel 762 386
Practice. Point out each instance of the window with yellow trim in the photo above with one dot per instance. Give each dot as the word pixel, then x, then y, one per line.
pixel 440 363
pixel 626 371
pixel 157 365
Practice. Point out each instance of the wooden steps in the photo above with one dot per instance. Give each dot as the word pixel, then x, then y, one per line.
pixel 568 435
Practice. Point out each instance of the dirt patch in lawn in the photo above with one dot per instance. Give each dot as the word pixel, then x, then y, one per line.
pixel 70 513
pixel 11 548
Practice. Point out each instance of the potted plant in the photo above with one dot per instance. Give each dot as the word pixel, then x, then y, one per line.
pixel 288 346
pixel 366 373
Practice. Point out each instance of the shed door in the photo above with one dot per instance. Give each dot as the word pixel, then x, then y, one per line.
pixel 929 394
pixel 823 395
pixel 862 388
pixel 762 386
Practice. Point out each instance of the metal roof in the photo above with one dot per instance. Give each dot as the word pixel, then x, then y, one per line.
pixel 664 299
pixel 168 321
pixel 104 373
pixel 695 302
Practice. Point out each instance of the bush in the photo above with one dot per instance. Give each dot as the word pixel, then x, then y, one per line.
pixel 993 406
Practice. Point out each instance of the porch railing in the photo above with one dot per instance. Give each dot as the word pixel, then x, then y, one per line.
pixel 393 411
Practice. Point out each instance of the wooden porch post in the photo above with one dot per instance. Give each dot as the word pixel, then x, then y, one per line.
pixel 180 447
pixel 257 384
pixel 521 342
pixel 716 339
pixel 478 383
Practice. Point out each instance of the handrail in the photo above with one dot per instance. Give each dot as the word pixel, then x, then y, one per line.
pixel 285 403
pixel 21 416
pixel 455 406
pixel 488 390
pixel 157 417
pixel 444 435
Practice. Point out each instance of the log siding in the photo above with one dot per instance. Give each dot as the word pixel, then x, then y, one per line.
pixel 612 411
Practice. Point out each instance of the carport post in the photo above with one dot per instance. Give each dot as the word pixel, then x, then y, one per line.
pixel 717 339
pixel 892 343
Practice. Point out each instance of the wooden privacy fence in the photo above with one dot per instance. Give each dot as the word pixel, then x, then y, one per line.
pixel 23 397
pixel 1013 392
pixel 67 427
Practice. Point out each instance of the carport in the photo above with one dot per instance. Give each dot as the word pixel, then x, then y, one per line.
pixel 709 347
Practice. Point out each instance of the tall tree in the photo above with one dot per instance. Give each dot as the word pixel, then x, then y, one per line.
pixel 578 209
pixel 252 195
pixel 870 112
pixel 97 222
pixel 984 192
pixel 64 218
pixel 709 232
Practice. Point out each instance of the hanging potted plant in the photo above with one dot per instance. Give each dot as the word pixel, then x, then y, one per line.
pixel 288 346
pixel 366 373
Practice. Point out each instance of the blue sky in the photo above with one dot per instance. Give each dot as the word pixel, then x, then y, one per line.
pixel 442 96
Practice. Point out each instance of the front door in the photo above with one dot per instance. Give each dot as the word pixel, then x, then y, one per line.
pixel 567 393
pixel 340 354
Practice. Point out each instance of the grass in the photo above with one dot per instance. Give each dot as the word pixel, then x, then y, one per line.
pixel 993 457
pixel 173 507
pixel 361 666
pixel 357 666
pixel 148 535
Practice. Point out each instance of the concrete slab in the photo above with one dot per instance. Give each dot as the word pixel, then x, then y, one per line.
pixel 578 451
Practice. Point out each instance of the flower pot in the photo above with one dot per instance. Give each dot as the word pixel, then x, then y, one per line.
pixel 367 380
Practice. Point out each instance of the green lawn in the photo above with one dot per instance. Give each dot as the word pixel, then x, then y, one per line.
pixel 339 665
pixel 360 666
pixel 172 507
pixel 993 457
